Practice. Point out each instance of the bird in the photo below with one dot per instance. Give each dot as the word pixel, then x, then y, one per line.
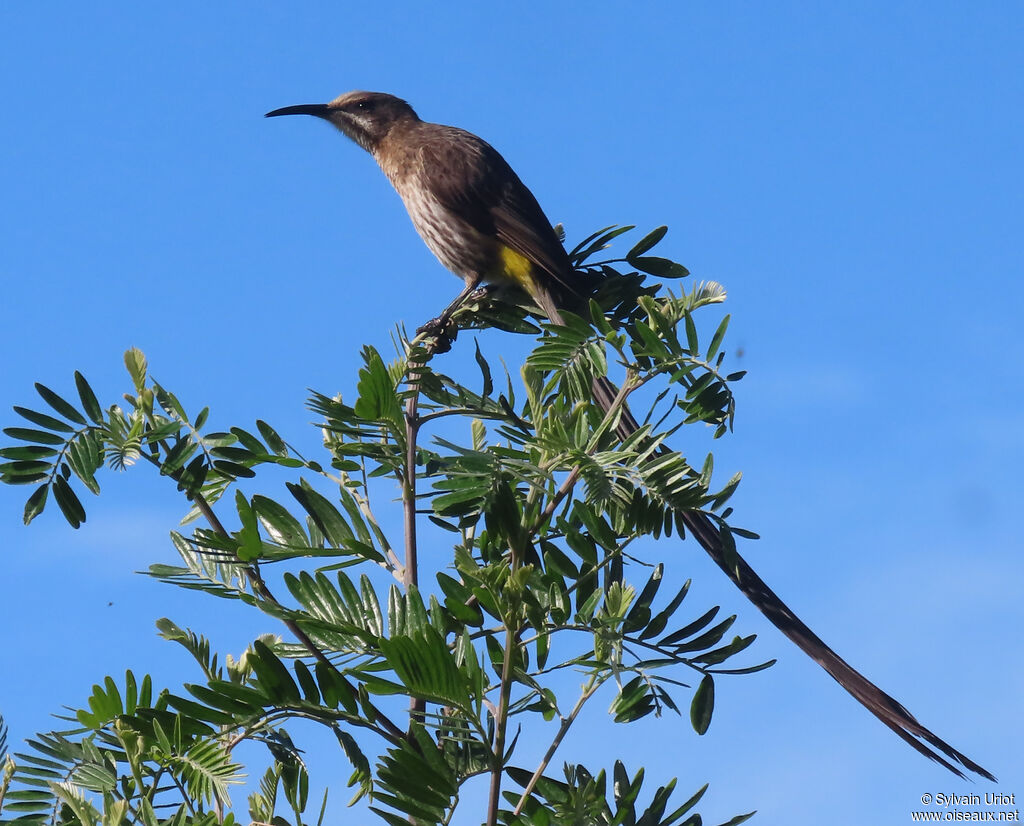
pixel 484 225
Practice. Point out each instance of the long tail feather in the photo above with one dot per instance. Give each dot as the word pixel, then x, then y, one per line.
pixel 884 707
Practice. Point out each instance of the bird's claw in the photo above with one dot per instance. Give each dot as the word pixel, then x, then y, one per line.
pixel 441 331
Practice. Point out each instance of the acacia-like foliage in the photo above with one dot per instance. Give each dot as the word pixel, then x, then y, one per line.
pixel 422 685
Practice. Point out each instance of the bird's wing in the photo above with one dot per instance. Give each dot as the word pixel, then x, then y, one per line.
pixel 469 177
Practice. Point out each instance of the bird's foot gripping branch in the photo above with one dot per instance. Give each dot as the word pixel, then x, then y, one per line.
pixel 432 670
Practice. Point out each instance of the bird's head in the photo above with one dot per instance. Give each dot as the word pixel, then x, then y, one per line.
pixel 366 117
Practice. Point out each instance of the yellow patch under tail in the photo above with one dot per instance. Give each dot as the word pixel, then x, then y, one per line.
pixel 517 268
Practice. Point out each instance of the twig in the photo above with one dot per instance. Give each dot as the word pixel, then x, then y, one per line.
pixel 391 732
pixel 410 570
pixel 494 798
pixel 556 500
pixel 588 692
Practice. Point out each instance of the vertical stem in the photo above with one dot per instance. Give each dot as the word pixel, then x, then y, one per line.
pixel 410 572
pixel 410 575
pixel 501 724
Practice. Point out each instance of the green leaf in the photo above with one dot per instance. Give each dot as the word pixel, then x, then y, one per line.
pixel 707 639
pixel 219 438
pixel 485 370
pixel 35 504
pixel 558 562
pixel 362 773
pixel 373 617
pixel 716 339
pixel 89 401
pixel 427 668
pixel 657 625
pixel 415 778
pixel 194 475
pixel 335 689
pixel 68 502
pixel 248 442
pixel 39 437
pixel 692 628
pixel 632 702
pixel 250 544
pixel 135 361
pixel 26 479
pixel 24 468
pixel 234 454
pixel 596 242
pixel 177 456
pixel 378 398
pixel 583 244
pixel 199 711
pixel 307 682
pixel 647 242
pixel 661 267
pixel 207 770
pixel 28 452
pixel 640 613
pixel 274 442
pixel 233 470
pixel 169 402
pixel 457 596
pixel 692 342
pixel 735 821
pixel 65 409
pixel 378 685
pixel 720 655
pixel 281 526
pixel 694 799
pixel 85 458
pixel 585 612
pixel 274 680
pixel 752 669
pixel 703 704
pixel 326 517
pixel 597 525
pixel 43 420
pixel 416 619
pixel 239 701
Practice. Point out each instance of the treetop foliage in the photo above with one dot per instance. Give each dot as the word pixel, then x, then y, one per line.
pixel 443 673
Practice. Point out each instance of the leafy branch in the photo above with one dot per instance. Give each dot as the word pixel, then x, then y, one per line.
pixel 544 504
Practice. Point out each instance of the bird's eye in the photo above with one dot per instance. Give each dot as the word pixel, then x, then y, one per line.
pixel 365 105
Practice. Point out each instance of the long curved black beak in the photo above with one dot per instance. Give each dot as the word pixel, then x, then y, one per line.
pixel 319 110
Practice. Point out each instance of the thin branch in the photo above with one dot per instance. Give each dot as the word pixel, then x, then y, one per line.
pixel 367 512
pixel 567 722
pixel 410 573
pixel 410 570
pixel 391 732
pixel 501 724
pixel 556 500
pixel 184 794
pixel 567 486
pixel 261 588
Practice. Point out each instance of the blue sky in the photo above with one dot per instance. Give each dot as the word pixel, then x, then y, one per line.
pixel 852 175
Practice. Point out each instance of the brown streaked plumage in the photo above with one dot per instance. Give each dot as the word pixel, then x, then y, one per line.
pixel 465 201
pixel 484 225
